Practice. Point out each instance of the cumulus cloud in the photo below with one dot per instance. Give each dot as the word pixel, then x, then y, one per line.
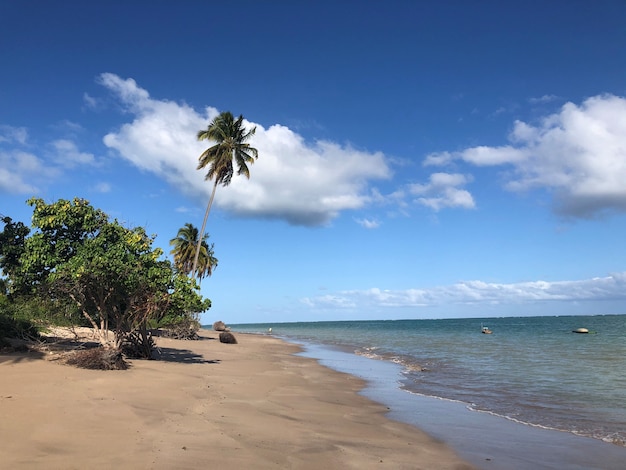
pixel 578 153
pixel 443 190
pixel 293 180
pixel 612 287
pixel 130 95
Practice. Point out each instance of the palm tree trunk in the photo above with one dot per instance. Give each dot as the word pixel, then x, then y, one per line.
pixel 201 232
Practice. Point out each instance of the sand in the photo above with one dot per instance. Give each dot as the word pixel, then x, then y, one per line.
pixel 252 405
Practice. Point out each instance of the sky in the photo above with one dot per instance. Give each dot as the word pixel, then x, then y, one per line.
pixel 417 159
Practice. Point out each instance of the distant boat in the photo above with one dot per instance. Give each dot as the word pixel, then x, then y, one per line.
pixel 580 330
pixel 485 330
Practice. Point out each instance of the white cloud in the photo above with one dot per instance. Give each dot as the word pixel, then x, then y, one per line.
pixel 90 101
pixel 368 223
pixel 102 187
pixel 486 156
pixel 333 301
pixel 12 183
pixel 579 153
pixel 500 110
pixel 443 190
pixel 130 95
pixel 23 172
pixel 438 158
pixel 17 171
pixel 543 99
pixel 612 287
pixel 68 127
pixel 68 155
pixel 302 183
pixel 10 134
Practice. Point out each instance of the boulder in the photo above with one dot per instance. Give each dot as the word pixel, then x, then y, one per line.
pixel 227 337
pixel 219 326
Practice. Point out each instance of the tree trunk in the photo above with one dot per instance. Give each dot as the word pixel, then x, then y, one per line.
pixel 201 233
pixel 101 337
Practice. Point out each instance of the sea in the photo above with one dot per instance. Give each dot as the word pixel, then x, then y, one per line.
pixel 534 371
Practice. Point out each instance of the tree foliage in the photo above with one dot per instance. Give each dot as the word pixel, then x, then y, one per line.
pixel 184 246
pixel 230 137
pixel 114 276
pixel 12 241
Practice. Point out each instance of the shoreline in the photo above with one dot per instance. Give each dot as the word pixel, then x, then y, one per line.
pixel 484 440
pixel 257 404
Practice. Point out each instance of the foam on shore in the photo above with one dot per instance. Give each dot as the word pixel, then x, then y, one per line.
pixel 483 439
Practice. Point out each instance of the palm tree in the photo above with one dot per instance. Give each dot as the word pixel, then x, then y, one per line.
pixel 207 262
pixel 184 247
pixel 230 136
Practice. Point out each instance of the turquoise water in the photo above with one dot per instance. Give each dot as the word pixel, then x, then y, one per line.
pixel 533 370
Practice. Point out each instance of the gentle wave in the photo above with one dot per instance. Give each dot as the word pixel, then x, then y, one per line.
pixel 531 370
pixel 405 362
pixel 410 366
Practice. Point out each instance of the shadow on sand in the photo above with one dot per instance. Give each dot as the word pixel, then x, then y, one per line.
pixel 184 356
pixel 32 350
pixel 14 357
pixel 36 350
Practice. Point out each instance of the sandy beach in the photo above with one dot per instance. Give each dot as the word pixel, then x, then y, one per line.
pixel 251 405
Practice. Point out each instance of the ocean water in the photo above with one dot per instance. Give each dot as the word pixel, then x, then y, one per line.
pixel 532 370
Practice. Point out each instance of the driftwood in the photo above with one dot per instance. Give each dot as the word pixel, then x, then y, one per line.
pixel 98 358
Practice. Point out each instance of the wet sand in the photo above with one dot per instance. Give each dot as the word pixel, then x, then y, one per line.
pixel 487 441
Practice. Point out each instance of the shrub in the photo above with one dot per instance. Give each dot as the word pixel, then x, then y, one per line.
pixel 11 327
pixel 182 328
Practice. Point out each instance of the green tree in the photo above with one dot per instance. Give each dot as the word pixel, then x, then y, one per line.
pixel 61 228
pixel 112 273
pixel 182 301
pixel 12 245
pixel 230 136
pixel 184 248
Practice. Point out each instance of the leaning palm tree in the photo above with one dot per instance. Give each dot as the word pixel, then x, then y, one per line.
pixel 230 136
pixel 184 247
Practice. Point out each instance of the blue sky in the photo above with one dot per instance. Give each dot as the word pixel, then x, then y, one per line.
pixel 416 159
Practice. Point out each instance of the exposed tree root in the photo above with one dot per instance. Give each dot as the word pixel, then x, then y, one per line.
pixel 98 358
